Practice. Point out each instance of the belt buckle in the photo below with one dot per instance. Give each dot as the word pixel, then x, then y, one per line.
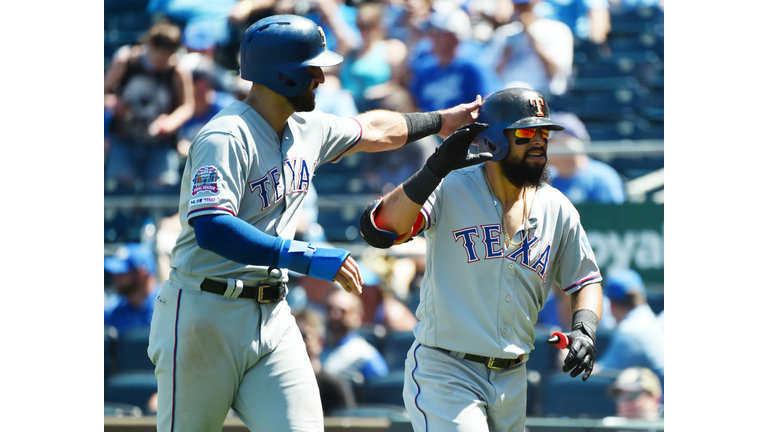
pixel 490 363
pixel 261 294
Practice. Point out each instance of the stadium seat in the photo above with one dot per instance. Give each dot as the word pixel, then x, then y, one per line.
pixel 123 226
pixel 120 6
pixel 374 336
pixel 349 164
pixel 637 21
pixel 340 225
pixel 542 358
pixel 110 358
pixel 383 390
pixel 121 410
pixel 132 351
pixel 644 41
pixel 655 301
pixel 392 412
pixel 132 388
pixel 395 348
pixel 563 396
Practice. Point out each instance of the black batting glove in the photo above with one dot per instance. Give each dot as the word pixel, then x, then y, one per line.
pixel 581 348
pixel 454 152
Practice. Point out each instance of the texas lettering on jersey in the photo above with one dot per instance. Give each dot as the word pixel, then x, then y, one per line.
pixel 490 241
pixel 271 187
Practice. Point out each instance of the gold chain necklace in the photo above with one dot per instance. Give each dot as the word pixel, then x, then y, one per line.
pixel 507 240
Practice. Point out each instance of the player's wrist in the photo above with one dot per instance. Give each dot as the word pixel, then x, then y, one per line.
pixel 585 321
pixel 421 125
pixel 419 186
pixel 296 255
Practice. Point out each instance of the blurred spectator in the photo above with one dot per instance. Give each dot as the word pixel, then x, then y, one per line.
pixel 208 102
pixel 532 50
pixel 587 19
pixel 337 19
pixel 346 353
pixel 487 16
pixel 331 98
pixel 378 65
pixel 623 6
pixel 335 392
pixel 213 15
pixel 150 97
pixel 578 176
pixel 132 269
pixel 443 78
pixel 382 306
pixel 637 392
pixel 638 339
pixel 202 47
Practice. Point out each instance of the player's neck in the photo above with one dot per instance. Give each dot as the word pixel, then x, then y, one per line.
pixel 272 107
pixel 505 191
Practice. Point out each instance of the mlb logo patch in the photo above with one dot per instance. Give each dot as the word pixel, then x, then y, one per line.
pixel 206 179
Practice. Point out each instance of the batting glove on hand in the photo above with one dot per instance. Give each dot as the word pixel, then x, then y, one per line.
pixel 581 347
pixel 454 152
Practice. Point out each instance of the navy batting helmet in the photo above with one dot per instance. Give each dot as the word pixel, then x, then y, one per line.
pixel 512 108
pixel 276 51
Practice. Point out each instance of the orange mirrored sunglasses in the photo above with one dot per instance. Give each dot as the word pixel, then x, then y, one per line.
pixel 530 132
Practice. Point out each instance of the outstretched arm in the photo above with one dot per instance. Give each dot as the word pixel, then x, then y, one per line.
pixel 388 130
pixel 241 242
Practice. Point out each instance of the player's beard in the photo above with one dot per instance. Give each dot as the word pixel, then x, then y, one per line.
pixel 304 102
pixel 523 174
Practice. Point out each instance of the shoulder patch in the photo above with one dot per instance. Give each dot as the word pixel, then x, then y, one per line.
pixel 206 179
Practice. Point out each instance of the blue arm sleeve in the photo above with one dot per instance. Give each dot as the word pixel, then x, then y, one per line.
pixel 237 240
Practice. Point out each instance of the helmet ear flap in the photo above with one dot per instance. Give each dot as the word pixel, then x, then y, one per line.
pixel 497 148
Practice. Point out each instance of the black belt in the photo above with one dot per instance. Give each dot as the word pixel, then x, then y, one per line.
pixel 265 293
pixel 489 362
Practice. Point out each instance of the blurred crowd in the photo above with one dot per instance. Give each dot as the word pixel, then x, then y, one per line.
pixel 404 55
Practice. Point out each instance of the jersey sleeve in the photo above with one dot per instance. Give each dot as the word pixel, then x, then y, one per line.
pixel 429 211
pixel 577 265
pixel 218 169
pixel 341 135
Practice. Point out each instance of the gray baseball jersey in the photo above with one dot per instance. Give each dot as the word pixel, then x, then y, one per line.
pixel 480 297
pixel 238 165
pixel 214 352
pixel 494 294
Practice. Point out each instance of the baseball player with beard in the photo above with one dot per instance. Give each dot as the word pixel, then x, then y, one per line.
pixel 499 237
pixel 222 335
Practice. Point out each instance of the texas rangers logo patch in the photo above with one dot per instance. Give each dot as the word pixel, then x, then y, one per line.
pixel 206 179
pixel 538 103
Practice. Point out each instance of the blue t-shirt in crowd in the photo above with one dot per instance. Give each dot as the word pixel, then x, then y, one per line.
pixel 598 182
pixel 120 314
pixel 435 87
pixel 574 13
pixel 354 359
pixel 190 129
pixel 638 340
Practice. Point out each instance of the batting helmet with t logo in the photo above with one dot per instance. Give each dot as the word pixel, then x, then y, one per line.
pixel 512 108
pixel 276 51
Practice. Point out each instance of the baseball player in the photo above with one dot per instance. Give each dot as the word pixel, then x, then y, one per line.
pixel 498 239
pixel 222 337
